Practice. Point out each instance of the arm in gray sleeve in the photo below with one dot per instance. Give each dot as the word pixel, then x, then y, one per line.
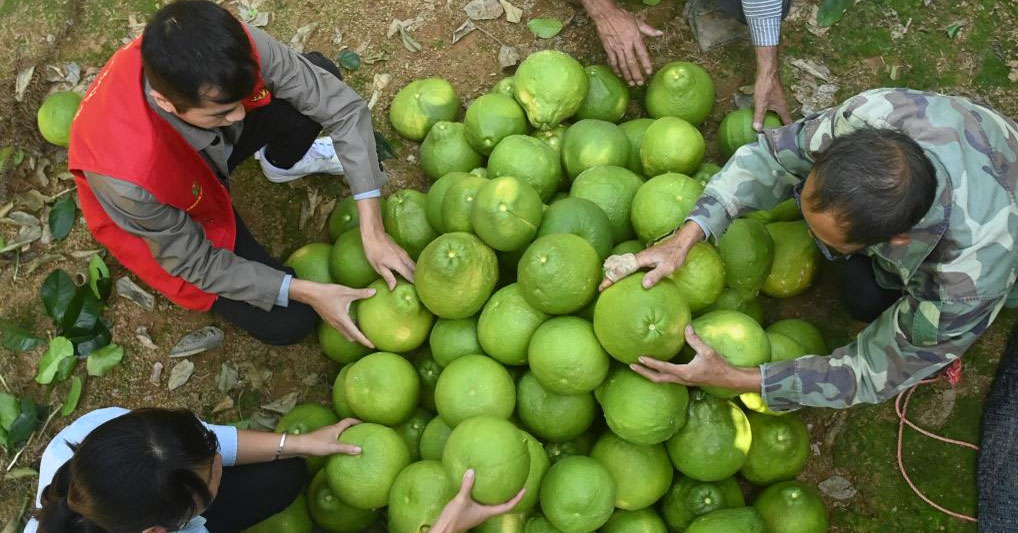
pixel 179 245
pixel 323 97
pixel 764 20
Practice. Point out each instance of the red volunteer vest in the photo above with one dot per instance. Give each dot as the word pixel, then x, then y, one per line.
pixel 116 133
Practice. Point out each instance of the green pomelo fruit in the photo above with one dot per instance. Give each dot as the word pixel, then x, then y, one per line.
pixel 689 498
pixel 453 338
pixel 582 218
pixel 634 130
pixel 565 356
pixel 701 278
pixel 364 480
pixel 748 251
pixel 741 520
pixel 640 411
pixel 578 495
pixel 506 214
pixel 504 523
pixel 394 321
pixel 436 195
pixel 792 507
pixel 412 429
pixel 540 524
pixel 304 419
pixel 420 105
pixel 551 86
pixel 428 371
pixel 530 160
pixel 671 144
pixel 801 331
pixel 383 388
pixel 736 337
pixel 334 344
pixel 642 521
pixel 779 450
pixel 418 495
pixel 737 300
pixel 796 260
pixel 593 143
pixel 491 118
pixel 311 262
pixel 458 204
pixel 681 89
pixel 55 116
pixel 579 446
pixel 612 189
pixel 294 519
pixel 344 217
pixel 736 129
pixel 497 452
pixel 715 440
pixel 559 273
pixel 786 211
pixel 446 150
pixel 539 465
pixel 704 174
pixel 631 321
pixel 504 87
pixel 455 275
pixel 474 385
pixel 339 401
pixel 552 138
pixel 347 263
pixel 607 95
pixel 331 513
pixel 642 473
pixel 628 247
pixel 433 439
pixel 662 204
pixel 506 325
pixel 406 221
pixel 553 417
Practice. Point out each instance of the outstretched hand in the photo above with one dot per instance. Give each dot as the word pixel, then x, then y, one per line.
pixel 325 441
pixel 663 258
pixel 388 259
pixel 332 303
pixel 463 513
pixel 708 367
pixel 622 37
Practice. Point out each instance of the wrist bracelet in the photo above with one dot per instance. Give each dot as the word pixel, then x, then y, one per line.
pixel 279 450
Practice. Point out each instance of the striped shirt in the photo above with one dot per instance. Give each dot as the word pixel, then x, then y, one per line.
pixel 764 20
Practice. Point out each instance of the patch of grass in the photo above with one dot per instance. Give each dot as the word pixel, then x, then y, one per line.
pixel 993 71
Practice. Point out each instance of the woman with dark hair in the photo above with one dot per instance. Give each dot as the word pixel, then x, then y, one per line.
pixel 159 470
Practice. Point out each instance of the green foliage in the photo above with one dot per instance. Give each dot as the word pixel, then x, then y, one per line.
pixel 61 217
pixel 831 12
pixel 104 359
pixel 545 28
pixel 73 396
pixel 59 349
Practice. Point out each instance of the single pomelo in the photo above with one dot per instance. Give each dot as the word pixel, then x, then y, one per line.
pixel 559 273
pixel 55 115
pixel 394 321
pixel 612 189
pixel 496 450
pixel 436 195
pixel 506 214
pixel 642 473
pixel 412 429
pixel 706 171
pixel 418 496
pixel 715 440
pixel 628 247
pixel 565 357
pixel 631 321
pixel 336 346
pixel 748 251
pixel 344 217
pixel 474 385
pixel 801 331
pixel 701 278
pixel 552 137
pixel 792 507
pixel 446 150
pixel 671 144
pixel 539 465
pixel 736 337
pixel 383 388
pixel 551 86
pixel 579 446
pixel 455 275
pixel 491 118
pixel 339 402
pixel 553 417
pixel 453 338
pixel 433 439
pixel 689 498
pixel 737 300
pixel 634 130
pixel 578 494
pixel 641 411
pixel 347 263
pixel 294 519
pixel 580 217
pixel 592 143
pixel 530 160
pixel 311 262
pixel 420 105
pixel 662 204
pixel 740 520
pixel 304 419
pixel 504 87
pixel 406 221
pixel 681 89
pixel 540 524
pixel 607 95
pixel 796 260
pixel 642 521
pixel 506 325
pixel 331 513
pixel 736 129
pixel 779 451
pixel 364 480
pixel 458 203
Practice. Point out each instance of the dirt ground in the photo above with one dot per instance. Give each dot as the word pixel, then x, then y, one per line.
pixel 968 48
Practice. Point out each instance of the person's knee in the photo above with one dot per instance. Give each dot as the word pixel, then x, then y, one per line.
pixel 287 326
pixel 319 60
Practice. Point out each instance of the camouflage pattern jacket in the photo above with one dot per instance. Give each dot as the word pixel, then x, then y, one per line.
pixel 956 273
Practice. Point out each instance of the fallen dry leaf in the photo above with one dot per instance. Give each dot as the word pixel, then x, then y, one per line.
pixel 484 9
pixel 508 56
pixel 22 81
pixel 512 13
pixel 465 29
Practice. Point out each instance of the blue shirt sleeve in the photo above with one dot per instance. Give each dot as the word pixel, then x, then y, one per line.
pixel 368 194
pixel 283 298
pixel 227 436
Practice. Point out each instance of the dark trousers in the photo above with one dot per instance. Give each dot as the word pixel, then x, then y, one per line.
pixel 251 493
pixel 286 135
pixel 858 290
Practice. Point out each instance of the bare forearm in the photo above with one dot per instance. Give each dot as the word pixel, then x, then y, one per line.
pixel 597 8
pixel 369 210
pixel 261 446
pixel 766 61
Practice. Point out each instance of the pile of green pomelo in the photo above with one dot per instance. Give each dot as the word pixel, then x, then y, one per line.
pixel 504 357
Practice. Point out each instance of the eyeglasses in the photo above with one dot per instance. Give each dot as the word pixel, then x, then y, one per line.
pixel 829 254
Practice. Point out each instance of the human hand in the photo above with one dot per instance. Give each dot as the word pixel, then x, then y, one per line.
pixel 387 258
pixel 463 513
pixel 622 35
pixel 768 93
pixel 708 367
pixel 663 258
pixel 325 441
pixel 332 302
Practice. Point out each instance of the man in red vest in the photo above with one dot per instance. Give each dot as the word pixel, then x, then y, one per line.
pixel 164 124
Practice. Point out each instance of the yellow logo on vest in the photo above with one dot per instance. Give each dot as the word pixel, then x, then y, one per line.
pixel 196 191
pixel 261 95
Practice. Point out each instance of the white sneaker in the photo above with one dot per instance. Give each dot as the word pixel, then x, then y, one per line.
pixel 319 159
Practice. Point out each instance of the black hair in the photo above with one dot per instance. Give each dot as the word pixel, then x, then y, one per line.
pixel 878 181
pixel 194 51
pixel 132 472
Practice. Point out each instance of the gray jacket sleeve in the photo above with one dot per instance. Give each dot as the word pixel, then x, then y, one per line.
pixel 322 97
pixel 179 244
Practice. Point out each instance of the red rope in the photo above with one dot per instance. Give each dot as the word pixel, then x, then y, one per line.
pixel 952 375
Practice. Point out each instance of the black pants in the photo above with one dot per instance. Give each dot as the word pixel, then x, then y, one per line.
pixel 858 290
pixel 251 493
pixel 286 135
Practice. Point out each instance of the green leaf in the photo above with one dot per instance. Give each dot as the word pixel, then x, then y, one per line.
pixel 953 29
pixel 82 314
pixel 651 2
pixel 61 217
pixel 73 395
pixel 545 28
pixel 104 359
pixel 93 340
pixel 17 339
pixel 99 279
pixel 383 148
pixel 349 59
pixel 57 292
pixel 66 368
pixel 831 12
pixel 59 349
pixel 9 410
pixel 25 424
